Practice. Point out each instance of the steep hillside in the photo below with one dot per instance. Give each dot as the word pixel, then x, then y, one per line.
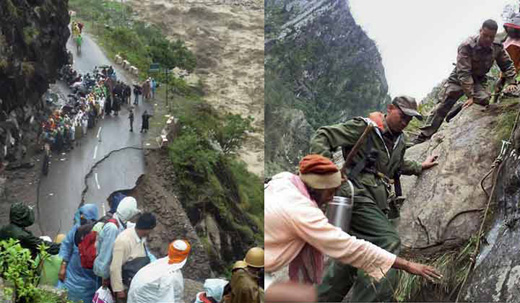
pixel 33 35
pixel 447 205
pixel 226 37
pixel 320 65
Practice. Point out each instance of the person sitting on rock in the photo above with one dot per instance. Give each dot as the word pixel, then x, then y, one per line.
pixel 162 280
pixel 20 217
pixel 475 57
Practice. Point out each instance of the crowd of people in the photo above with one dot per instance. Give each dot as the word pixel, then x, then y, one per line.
pixel 93 97
pixel 87 103
pixel 106 259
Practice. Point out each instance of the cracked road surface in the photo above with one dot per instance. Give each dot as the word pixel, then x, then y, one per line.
pixel 60 192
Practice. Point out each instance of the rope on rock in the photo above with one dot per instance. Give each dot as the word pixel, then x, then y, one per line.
pixel 495 171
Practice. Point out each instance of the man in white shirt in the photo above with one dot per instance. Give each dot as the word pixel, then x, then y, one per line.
pixel 130 246
pixel 162 280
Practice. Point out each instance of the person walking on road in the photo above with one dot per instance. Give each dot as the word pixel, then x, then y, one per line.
pixel 81 283
pixel 131 118
pixel 146 89
pixel 137 92
pixel 145 122
pixel 130 254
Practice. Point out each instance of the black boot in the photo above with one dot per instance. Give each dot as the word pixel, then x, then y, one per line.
pixel 454 112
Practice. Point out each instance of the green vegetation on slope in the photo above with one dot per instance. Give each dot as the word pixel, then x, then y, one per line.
pixel 210 177
pixel 139 43
pixel 453 264
pixel 330 84
pixel 315 75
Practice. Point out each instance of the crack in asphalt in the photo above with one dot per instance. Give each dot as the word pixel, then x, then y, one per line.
pixel 84 192
pixel 85 179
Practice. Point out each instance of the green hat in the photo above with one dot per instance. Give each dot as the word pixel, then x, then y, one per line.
pixel 21 215
pixel 408 106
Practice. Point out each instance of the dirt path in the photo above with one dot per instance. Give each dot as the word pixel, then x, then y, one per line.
pixel 228 40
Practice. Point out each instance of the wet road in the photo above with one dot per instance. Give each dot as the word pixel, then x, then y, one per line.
pixel 61 190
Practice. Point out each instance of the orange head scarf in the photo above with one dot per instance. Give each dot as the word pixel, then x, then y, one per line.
pixel 317 164
pixel 319 172
pixel 178 251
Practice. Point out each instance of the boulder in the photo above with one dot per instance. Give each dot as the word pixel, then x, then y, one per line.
pixel 118 59
pixel 496 275
pixel 126 64
pixel 445 203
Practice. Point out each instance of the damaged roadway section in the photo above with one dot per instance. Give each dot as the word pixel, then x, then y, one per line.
pixel 118 170
pixel 61 192
pixel 154 193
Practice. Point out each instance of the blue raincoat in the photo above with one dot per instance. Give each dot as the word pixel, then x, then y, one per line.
pixel 81 283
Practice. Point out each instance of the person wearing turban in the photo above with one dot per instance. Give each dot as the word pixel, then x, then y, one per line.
pixel 162 280
pixel 297 232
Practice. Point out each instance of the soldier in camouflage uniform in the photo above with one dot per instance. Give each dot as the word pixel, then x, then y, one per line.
pixel 475 57
pixel 379 159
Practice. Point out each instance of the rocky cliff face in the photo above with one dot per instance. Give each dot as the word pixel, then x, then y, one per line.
pixel 497 270
pixel 444 209
pixel 32 48
pixel 432 211
pixel 33 34
pixel 319 61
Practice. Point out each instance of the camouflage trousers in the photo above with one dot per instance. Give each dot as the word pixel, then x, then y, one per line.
pixel 369 223
pixel 452 94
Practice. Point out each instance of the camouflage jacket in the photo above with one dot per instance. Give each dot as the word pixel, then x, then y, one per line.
pixel 244 288
pixel 475 61
pixel 368 187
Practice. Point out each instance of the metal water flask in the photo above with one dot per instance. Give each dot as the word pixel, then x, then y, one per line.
pixel 339 210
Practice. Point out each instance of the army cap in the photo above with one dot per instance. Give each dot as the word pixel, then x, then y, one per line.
pixel 408 106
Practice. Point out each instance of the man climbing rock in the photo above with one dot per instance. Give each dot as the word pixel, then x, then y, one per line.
pixel 374 165
pixel 475 57
pixel 298 234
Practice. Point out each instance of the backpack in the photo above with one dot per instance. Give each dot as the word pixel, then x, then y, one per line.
pixel 130 268
pixel 86 238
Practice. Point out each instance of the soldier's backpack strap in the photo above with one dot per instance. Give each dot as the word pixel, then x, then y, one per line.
pixel 359 143
pixel 367 163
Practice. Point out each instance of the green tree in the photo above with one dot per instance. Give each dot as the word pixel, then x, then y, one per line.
pixel 233 132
